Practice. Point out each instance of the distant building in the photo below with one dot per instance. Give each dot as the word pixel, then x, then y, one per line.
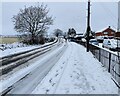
pixel 106 32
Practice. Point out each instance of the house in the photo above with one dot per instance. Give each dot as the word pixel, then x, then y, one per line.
pixel 117 35
pixel 106 32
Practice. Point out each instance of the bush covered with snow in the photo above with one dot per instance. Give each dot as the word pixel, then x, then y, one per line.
pixel 10 46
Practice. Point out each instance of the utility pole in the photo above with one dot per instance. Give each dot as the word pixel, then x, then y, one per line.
pixel 118 41
pixel 88 26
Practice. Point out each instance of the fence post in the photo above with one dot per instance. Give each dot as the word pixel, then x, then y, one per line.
pixel 99 54
pixel 119 75
pixel 109 62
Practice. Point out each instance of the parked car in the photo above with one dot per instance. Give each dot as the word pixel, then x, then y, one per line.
pixel 83 40
pixel 94 42
pixel 100 39
pixel 111 44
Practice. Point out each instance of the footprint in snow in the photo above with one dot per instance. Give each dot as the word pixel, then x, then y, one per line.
pixel 53 84
pixel 47 91
pixel 75 64
pixel 74 71
pixel 93 87
pixel 56 75
pixel 50 80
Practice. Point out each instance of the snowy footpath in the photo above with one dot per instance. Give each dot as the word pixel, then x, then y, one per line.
pixel 77 72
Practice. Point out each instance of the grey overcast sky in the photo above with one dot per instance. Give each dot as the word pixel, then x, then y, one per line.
pixel 67 15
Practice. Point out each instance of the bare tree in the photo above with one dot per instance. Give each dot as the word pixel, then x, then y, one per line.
pixel 58 32
pixel 33 20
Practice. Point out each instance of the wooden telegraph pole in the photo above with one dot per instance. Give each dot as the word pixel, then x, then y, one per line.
pixel 118 41
pixel 88 26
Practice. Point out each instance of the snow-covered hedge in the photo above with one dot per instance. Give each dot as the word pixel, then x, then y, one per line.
pixel 10 46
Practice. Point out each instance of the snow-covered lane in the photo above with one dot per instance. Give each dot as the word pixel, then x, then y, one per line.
pixel 39 70
pixel 77 72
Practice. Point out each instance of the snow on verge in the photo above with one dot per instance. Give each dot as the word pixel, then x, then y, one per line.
pixel 21 48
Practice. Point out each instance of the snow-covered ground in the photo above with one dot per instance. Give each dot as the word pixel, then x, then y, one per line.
pixel 12 45
pixel 17 48
pixel 77 72
pixel 113 52
pixel 34 66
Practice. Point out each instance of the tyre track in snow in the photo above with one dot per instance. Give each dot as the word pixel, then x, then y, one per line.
pixel 63 69
pixel 53 80
pixel 12 61
pixel 7 80
pixel 31 80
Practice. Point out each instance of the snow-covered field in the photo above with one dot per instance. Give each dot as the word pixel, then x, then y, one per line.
pixel 77 72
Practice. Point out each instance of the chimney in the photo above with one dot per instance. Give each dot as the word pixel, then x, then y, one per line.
pixel 109 27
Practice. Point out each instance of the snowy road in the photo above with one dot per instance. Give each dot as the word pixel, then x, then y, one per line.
pixel 36 68
pixel 67 69
pixel 37 74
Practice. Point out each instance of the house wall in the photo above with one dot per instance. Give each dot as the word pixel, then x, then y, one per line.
pixel 117 34
pixel 109 32
pixel 99 34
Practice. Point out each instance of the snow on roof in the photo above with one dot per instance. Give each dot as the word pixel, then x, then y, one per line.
pixel 101 30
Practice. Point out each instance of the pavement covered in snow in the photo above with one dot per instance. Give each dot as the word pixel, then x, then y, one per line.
pixel 77 72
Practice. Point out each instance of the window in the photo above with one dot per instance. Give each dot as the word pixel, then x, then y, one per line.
pixel 112 32
pixel 105 33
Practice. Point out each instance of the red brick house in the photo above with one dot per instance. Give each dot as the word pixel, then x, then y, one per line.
pixel 106 32
pixel 117 35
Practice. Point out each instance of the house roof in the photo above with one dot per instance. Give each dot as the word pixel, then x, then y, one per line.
pixel 105 29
